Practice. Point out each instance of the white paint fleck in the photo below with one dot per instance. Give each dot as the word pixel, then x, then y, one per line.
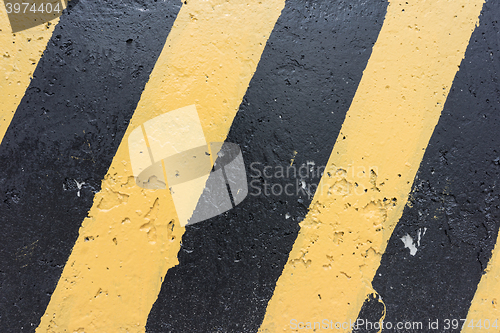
pixel 420 234
pixel 410 244
pixel 79 186
pixel 287 216
pixel 311 165
pixel 304 187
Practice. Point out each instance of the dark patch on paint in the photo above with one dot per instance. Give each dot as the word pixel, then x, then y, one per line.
pixel 455 196
pixel 296 101
pixel 67 129
pixel 371 314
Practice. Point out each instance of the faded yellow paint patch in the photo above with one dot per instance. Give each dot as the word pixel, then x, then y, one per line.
pixel 486 302
pixel 19 57
pixel 131 235
pixel 370 172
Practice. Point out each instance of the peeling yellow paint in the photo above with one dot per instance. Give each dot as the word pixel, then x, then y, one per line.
pixel 19 57
pixel 485 304
pixel 131 235
pixel 370 172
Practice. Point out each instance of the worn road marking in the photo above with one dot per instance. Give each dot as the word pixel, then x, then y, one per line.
pixel 20 54
pixel 132 236
pixel 370 172
pixel 485 305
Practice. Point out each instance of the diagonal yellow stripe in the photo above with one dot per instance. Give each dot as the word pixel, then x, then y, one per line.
pixel 131 236
pixel 486 302
pixel 18 59
pixel 370 172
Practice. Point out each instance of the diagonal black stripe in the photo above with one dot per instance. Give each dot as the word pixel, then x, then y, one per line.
pixel 67 129
pixel 296 101
pixel 456 197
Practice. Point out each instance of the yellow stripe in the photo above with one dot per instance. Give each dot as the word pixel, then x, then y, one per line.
pixel 486 302
pixel 19 57
pixel 370 172
pixel 132 236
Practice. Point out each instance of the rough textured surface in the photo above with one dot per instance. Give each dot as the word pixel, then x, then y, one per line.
pixel 296 101
pixel 66 131
pixel 373 163
pixel 455 197
pixel 346 93
pixel 132 235
pixel 20 55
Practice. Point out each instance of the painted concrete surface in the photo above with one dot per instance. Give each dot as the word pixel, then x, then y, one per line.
pixel 367 133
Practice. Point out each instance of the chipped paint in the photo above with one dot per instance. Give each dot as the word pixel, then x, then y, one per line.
pixel 222 273
pixel 21 52
pixel 405 105
pixel 111 282
pixel 409 242
pixel 485 305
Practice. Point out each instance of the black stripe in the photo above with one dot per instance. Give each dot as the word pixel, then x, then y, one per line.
pixel 296 101
pixel 456 196
pixel 67 129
